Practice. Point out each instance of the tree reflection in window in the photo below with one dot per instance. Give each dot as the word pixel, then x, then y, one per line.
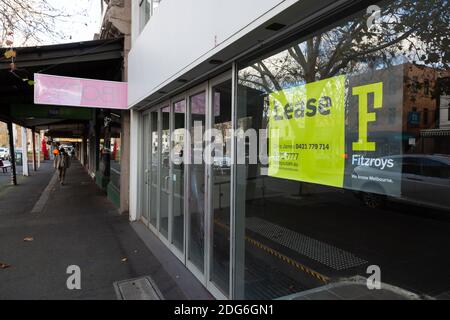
pixel 408 31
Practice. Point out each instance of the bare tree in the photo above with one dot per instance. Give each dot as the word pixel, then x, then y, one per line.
pixel 29 21
pixel 3 135
pixel 408 30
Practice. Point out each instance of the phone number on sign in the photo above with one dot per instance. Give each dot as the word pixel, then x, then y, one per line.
pixel 312 146
pixel 286 156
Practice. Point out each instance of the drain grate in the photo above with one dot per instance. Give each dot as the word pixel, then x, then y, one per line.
pixel 137 289
pixel 321 252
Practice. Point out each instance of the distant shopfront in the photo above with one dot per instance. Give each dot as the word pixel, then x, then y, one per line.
pixel 304 162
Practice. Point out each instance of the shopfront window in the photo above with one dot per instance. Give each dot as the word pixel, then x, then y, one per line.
pixel 147 8
pixel 116 146
pixel 178 153
pixel 197 182
pixel 353 178
pixel 221 186
pixel 154 169
pixel 165 181
pixel 144 13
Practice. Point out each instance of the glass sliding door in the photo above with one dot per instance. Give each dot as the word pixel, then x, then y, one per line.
pixel 178 171
pixel 189 177
pixel 153 179
pixel 146 165
pixel 220 186
pixel 164 183
pixel 196 192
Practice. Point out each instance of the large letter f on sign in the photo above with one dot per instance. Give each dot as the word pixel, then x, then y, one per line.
pixel 365 116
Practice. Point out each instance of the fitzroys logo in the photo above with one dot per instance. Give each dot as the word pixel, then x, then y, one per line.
pixel 381 163
pixel 365 116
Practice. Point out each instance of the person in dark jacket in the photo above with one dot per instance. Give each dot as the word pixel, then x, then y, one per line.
pixel 62 163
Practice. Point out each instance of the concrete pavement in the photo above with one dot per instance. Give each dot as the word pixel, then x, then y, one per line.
pixel 76 226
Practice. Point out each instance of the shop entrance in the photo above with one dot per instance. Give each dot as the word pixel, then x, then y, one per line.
pixel 185 201
pixel 150 161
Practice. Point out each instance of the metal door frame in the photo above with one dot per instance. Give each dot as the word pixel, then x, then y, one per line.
pixel 160 129
pixel 209 210
pixel 201 276
pixel 145 187
pixel 180 255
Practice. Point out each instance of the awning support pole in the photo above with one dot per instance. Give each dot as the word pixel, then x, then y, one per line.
pixel 25 170
pixel 33 134
pixel 12 153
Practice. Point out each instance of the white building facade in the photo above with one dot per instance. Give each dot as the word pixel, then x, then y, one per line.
pixel 273 229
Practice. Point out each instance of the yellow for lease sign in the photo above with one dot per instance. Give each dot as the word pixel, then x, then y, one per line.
pixel 307 132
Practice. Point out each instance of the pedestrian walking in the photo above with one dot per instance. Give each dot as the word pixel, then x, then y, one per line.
pixel 62 163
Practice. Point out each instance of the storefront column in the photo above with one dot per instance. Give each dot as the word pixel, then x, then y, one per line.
pixel 135 170
pixel 125 163
pixel 39 151
pixel 25 171
pixel 83 152
pixel 96 149
pixel 33 139
pixel 12 153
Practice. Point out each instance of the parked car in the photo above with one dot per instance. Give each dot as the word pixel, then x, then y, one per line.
pixel 4 154
pixel 424 181
pixel 222 161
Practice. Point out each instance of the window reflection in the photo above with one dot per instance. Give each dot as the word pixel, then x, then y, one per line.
pixel 301 230
pixel 154 169
pixel 178 153
pixel 165 181
pixel 144 13
pixel 197 109
pixel 221 187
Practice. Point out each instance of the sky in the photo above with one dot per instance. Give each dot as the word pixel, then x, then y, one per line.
pixel 85 22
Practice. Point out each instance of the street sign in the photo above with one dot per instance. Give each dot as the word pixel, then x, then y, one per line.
pixel 78 92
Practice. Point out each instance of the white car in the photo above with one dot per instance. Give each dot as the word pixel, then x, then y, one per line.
pixel 424 179
pixel 4 153
pixel 222 162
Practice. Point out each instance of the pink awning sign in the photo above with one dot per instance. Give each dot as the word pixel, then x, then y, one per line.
pixel 77 92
